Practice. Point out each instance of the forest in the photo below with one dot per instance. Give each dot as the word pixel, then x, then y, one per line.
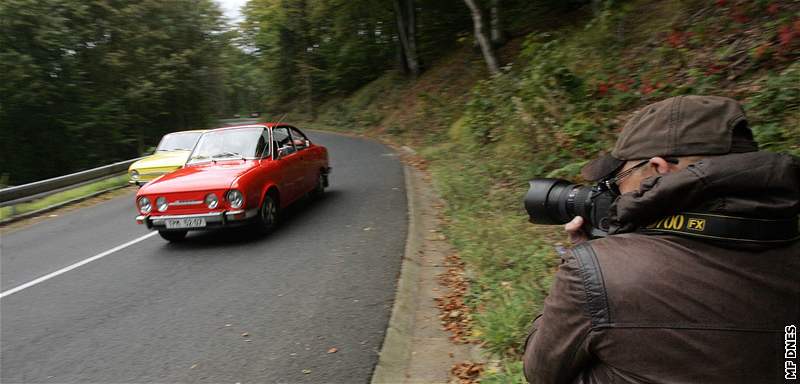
pixel 85 83
pixel 490 93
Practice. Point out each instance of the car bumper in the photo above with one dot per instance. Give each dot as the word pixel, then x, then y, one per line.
pixel 212 219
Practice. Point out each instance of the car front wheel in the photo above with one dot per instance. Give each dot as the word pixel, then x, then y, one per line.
pixel 267 215
pixel 173 236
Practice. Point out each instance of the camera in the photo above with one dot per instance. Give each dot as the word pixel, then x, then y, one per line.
pixel 556 201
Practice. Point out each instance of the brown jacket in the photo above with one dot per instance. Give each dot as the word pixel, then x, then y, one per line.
pixel 644 308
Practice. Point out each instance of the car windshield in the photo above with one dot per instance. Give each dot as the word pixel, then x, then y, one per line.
pixel 229 143
pixel 183 141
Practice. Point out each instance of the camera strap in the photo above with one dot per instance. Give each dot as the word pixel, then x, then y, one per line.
pixel 730 228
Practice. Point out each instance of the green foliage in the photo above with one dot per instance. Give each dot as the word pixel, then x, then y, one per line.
pixel 245 88
pixel 510 372
pixel 774 111
pixel 364 108
pixel 312 50
pixel 88 82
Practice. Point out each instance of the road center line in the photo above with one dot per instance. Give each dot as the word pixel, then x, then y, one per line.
pixel 73 266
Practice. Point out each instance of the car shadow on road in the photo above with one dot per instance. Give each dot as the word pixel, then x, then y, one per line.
pixel 300 211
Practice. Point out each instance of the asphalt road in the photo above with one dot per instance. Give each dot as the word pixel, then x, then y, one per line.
pixel 222 307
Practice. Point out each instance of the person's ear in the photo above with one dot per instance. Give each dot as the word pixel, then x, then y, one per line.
pixel 660 166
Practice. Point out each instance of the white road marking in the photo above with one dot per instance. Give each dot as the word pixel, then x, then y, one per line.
pixel 76 265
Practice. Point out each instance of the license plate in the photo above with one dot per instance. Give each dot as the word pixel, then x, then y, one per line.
pixel 191 222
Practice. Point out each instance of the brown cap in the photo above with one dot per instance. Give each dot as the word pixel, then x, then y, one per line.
pixel 678 126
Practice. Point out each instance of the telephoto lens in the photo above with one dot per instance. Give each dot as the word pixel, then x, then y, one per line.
pixel 555 201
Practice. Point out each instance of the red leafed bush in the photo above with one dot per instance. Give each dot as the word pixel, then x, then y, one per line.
pixel 713 69
pixel 602 88
pixel 761 51
pixel 676 39
pixel 773 9
pixel 739 14
pixel 785 36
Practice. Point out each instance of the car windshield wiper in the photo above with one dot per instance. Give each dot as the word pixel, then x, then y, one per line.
pixel 228 154
pixel 198 157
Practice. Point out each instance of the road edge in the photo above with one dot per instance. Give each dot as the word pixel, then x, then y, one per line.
pixel 395 354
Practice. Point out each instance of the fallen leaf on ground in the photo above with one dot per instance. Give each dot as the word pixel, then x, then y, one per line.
pixel 467 372
pixel 333 350
pixel 455 316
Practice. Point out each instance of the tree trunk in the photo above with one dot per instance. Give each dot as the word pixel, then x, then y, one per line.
pixel 498 37
pixel 406 28
pixel 483 41
pixel 305 64
pixel 597 7
pixel 309 90
pixel 401 58
pixel 411 26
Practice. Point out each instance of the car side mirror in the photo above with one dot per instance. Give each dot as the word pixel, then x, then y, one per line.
pixel 307 143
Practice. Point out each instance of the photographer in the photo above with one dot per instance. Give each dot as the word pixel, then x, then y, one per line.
pixel 697 271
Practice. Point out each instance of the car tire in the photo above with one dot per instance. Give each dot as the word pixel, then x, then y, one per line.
pixel 173 236
pixel 319 189
pixel 267 218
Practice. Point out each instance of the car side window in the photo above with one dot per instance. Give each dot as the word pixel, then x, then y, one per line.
pixel 299 140
pixel 282 141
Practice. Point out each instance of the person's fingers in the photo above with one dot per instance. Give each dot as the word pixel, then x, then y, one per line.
pixel 575 224
pixel 575 231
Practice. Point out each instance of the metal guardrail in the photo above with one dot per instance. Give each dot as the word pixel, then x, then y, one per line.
pixel 27 192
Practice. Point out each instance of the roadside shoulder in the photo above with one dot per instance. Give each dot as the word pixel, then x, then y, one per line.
pixel 416 349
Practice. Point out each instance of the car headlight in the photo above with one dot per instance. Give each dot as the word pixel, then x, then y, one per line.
pixel 235 198
pixel 212 201
pixel 134 175
pixel 144 205
pixel 161 204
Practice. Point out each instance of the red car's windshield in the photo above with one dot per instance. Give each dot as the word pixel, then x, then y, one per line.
pixel 183 141
pixel 230 143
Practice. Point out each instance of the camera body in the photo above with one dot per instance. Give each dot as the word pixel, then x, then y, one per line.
pixel 557 201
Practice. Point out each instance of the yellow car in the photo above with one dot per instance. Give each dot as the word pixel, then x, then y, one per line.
pixel 171 154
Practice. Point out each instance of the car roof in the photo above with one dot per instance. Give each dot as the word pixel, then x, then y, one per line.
pixel 253 125
pixel 189 131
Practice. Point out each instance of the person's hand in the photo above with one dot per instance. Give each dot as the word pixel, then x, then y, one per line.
pixel 575 232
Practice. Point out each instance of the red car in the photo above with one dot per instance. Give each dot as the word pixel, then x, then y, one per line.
pixel 235 176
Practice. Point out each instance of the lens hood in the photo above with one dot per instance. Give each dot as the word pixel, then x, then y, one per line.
pixel 546 201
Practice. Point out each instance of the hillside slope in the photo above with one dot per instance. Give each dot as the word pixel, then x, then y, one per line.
pixel 557 104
